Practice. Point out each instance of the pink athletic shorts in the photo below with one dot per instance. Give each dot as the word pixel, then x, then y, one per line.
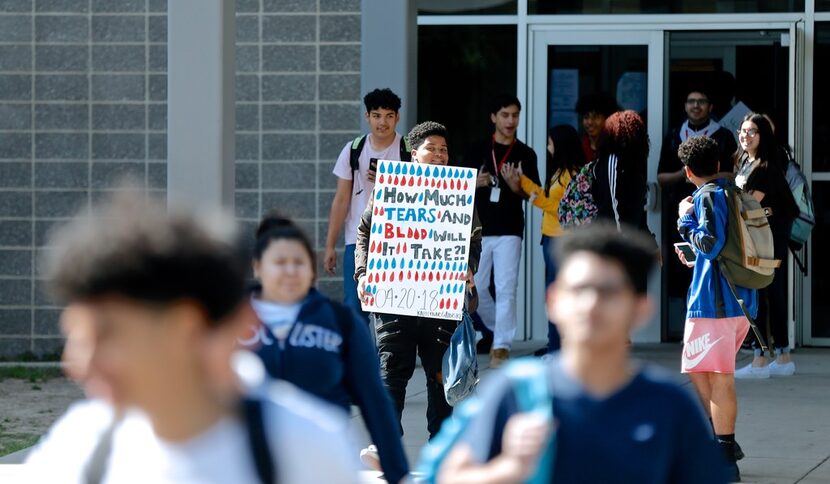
pixel 710 345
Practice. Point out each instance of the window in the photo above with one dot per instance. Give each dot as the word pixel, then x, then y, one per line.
pixel 460 68
pixel 663 6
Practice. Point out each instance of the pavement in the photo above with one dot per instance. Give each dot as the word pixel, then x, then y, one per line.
pixel 783 423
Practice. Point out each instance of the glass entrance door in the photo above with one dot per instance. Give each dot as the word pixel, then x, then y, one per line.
pixel 738 72
pixel 623 66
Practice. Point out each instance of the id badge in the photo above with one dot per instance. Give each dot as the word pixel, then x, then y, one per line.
pixel 495 194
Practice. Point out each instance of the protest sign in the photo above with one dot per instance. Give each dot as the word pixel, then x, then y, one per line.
pixel 419 240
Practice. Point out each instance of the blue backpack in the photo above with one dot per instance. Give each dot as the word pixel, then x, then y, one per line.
pixel 530 381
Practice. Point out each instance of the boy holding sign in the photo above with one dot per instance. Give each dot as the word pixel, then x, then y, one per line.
pixel 402 329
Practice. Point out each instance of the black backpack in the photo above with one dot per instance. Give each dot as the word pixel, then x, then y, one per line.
pixel 360 141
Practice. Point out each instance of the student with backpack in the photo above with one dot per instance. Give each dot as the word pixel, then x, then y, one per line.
pixel 564 160
pixel 158 300
pixel 716 322
pixel 318 344
pixel 590 414
pixel 761 165
pixel 355 172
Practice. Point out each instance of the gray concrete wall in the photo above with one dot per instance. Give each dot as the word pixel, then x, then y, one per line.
pixel 83 103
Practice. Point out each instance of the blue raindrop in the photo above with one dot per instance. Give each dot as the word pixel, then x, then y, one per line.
pixel 411 169
pixel 378 195
pixel 419 265
pixel 441 266
pixel 403 263
pixel 371 264
pixel 398 169
pixel 421 197
pixel 430 233
pixel 469 173
pixel 454 266
pixel 394 264
pixel 382 168
pixel 469 200
pixel 411 263
pixel 420 171
pixel 433 266
pixel 386 264
pixel 443 172
pixel 427 171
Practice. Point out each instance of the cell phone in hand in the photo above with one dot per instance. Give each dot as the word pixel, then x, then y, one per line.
pixel 373 164
pixel 687 250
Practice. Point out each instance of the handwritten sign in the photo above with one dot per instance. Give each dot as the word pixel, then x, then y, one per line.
pixel 419 240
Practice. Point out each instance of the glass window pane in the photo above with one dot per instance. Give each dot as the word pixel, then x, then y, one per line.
pixel 460 68
pixel 662 6
pixel 822 5
pixel 821 259
pixel 821 76
pixel 467 7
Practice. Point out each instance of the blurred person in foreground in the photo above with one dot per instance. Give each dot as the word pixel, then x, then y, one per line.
pixel 615 419
pixel 157 301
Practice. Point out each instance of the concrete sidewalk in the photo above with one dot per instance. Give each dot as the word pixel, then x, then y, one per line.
pixel 783 423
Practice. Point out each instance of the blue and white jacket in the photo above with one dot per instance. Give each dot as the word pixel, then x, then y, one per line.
pixel 328 352
pixel 706 229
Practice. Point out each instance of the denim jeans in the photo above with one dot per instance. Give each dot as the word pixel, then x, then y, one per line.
pixel 551 267
pixel 350 298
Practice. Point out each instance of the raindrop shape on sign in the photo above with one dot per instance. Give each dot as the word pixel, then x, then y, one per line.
pixel 378 195
pixel 441 290
pixel 398 169
pixel 393 264
pixel 420 171
pixel 386 264
pixel 443 172
pixel 382 168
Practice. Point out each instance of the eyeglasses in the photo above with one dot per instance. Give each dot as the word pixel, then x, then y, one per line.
pixel 697 101
pixel 748 133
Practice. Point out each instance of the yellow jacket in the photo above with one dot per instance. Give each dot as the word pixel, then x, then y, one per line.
pixel 549 203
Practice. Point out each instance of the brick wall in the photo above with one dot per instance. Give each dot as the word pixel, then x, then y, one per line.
pixel 83 103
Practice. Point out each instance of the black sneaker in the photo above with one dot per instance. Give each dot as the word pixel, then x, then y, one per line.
pixel 734 472
pixel 739 452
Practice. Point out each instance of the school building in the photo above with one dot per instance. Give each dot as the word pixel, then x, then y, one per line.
pixel 248 102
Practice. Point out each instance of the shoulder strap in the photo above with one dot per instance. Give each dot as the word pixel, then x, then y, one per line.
pixel 406 150
pixel 258 441
pixel 354 154
pixel 96 467
pixel 612 184
pixel 745 310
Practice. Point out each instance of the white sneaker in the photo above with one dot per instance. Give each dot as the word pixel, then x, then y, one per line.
pixel 785 369
pixel 750 372
pixel 370 458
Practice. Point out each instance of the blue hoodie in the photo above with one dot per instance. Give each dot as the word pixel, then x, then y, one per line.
pixel 328 352
pixel 705 229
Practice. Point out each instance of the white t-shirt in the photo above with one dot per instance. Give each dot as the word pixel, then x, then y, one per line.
pixel 362 187
pixel 309 441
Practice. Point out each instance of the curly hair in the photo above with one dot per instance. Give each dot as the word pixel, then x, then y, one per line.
pixel 422 131
pixel 700 154
pixel 382 99
pixel 625 135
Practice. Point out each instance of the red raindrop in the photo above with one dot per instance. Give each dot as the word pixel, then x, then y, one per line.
pixel 375 212
pixel 439 214
pixel 381 210
pixel 380 180
pixel 420 180
pixel 445 184
pixel 404 248
pixel 430 277
pixel 400 276
pixel 417 235
pixel 441 304
pixel 384 277
pixel 409 274
pixel 455 304
pixel 403 181
pixel 466 185
pixel 416 276
pixel 411 181
pixel 392 276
